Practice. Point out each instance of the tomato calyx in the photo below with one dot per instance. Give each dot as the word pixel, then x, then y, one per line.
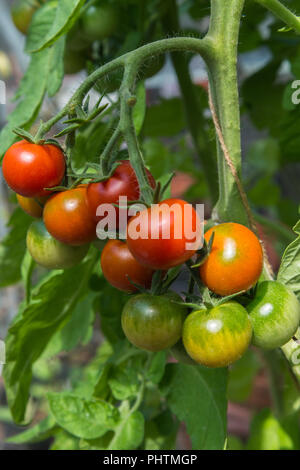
pixel 204 252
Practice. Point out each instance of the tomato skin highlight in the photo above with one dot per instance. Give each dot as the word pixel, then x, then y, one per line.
pixel 123 182
pixel 32 207
pixel 29 168
pixel 274 314
pixel 153 322
pixel 160 252
pixel 68 219
pixel 49 252
pixel 235 262
pixel 119 267
pixel 219 336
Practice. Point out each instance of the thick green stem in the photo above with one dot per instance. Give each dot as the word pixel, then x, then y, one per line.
pixel 193 112
pixel 282 12
pixel 224 32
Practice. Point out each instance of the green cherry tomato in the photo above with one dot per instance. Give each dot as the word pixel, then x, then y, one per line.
pixel 74 61
pixel 22 12
pixel 49 252
pixel 218 336
pixel 274 313
pixel 153 322
pixel 99 21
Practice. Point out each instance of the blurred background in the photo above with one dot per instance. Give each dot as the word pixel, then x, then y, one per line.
pixel 269 61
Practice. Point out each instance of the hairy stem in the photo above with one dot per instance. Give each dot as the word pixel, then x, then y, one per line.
pixel 224 33
pixel 282 12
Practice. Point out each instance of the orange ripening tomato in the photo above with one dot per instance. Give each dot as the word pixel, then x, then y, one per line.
pixel 236 259
pixel 68 219
pixel 30 168
pixel 31 206
pixel 119 267
pixel 165 235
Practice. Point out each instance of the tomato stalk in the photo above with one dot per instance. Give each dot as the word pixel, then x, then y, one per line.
pixel 282 12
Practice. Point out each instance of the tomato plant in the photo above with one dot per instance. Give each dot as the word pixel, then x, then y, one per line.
pixel 153 322
pixel 274 313
pixel 120 268
pixel 171 235
pixel 149 328
pixel 30 168
pixel 236 259
pixel 49 252
pixel 68 219
pixel 219 336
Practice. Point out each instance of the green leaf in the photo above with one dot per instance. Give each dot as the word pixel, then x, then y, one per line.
pixel 40 25
pixel 39 432
pixel 66 13
pixel 157 367
pixel 241 377
pixel 289 271
pixel 124 382
pixel 64 441
pixel 268 433
pixel 13 248
pixel 31 93
pixel 165 119
pixel 197 396
pixel 264 156
pixel 27 267
pixel 139 110
pixel 83 418
pixel 52 303
pixel 77 330
pixel 56 67
pixel 129 433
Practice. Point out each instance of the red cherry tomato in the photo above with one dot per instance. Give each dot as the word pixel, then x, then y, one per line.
pixel 160 238
pixel 123 182
pixel 29 168
pixel 68 219
pixel 119 267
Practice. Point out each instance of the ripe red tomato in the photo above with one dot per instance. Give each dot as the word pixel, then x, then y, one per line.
pixel 119 267
pixel 161 238
pixel 29 168
pixel 236 259
pixel 31 206
pixel 68 219
pixel 123 182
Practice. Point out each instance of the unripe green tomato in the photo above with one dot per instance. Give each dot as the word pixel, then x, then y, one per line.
pixel 274 314
pixel 218 336
pixel 100 21
pixel 75 39
pixel 49 252
pixel 22 12
pixel 152 67
pixel 153 322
